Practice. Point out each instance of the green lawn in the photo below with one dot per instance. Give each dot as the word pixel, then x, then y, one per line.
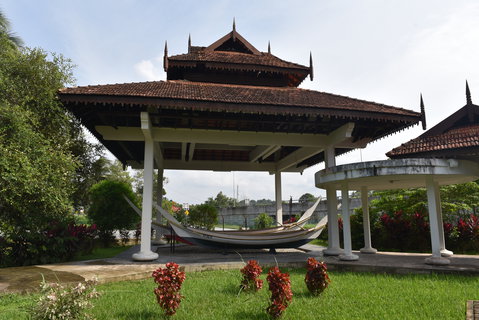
pixel 320 242
pixel 101 253
pixel 214 295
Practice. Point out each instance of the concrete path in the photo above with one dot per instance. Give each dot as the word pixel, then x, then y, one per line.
pixel 26 279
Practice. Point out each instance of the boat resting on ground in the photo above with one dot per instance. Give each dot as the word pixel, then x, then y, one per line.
pixel 297 225
pixel 243 239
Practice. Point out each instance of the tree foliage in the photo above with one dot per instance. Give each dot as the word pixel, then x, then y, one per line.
pixel 41 149
pixel 203 215
pixel 221 201
pixel 307 197
pixel 455 199
pixel 5 29
pixel 109 210
pixel 35 176
pixel 36 167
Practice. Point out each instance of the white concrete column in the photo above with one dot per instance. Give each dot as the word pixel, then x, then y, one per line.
pixel 348 251
pixel 159 199
pixel 279 201
pixel 334 247
pixel 366 223
pixel 433 209
pixel 145 253
pixel 442 242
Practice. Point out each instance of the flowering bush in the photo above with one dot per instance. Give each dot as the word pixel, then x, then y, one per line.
pixel 281 294
pixel 65 302
pixel 251 272
pixel 317 278
pixel 169 280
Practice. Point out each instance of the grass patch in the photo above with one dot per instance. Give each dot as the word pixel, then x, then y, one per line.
pixel 102 253
pixel 320 242
pixel 214 295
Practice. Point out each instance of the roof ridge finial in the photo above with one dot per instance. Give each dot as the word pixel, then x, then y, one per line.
pixel 269 47
pixel 233 33
pixel 311 73
pixel 423 115
pixel 189 43
pixel 468 94
pixel 165 57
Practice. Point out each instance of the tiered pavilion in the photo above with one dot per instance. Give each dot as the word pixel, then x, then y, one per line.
pixel 448 153
pixel 230 107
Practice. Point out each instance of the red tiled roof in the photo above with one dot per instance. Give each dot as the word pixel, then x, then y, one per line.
pixel 198 54
pixel 276 100
pixel 464 137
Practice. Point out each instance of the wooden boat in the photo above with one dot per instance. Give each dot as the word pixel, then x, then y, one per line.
pixel 221 239
pixel 291 235
pixel 297 225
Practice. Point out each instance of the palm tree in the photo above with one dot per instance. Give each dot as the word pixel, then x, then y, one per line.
pixel 5 29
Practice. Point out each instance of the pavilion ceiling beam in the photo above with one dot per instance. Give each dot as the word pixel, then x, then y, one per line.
pixel 296 157
pixel 270 152
pixel 187 151
pixel 340 135
pixel 184 145
pixel 262 152
pixel 191 151
pixel 218 166
pixel 335 138
pixel 239 138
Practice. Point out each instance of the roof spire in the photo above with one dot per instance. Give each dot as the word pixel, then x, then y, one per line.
pixel 311 73
pixel 269 47
pixel 423 115
pixel 165 57
pixel 234 29
pixel 189 43
pixel 468 94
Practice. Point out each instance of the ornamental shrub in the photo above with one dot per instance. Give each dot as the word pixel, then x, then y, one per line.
pixel 169 280
pixel 203 216
pixel 317 278
pixel 59 302
pixel 56 242
pixel 251 273
pixel 281 294
pixel 109 210
pixel 263 221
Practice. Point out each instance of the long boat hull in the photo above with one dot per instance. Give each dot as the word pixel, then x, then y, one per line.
pixel 237 240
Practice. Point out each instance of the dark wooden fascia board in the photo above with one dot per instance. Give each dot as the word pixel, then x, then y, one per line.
pixel 238 107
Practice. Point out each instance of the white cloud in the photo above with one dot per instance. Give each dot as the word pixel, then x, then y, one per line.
pixel 148 70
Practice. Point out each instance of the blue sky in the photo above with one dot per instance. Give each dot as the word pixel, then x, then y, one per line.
pixel 383 51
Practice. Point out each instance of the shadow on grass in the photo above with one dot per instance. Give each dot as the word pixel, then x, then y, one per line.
pixel 247 315
pixel 305 294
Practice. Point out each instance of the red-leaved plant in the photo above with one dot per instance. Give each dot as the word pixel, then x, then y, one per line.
pixel 169 280
pixel 281 294
pixel 251 273
pixel 317 278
